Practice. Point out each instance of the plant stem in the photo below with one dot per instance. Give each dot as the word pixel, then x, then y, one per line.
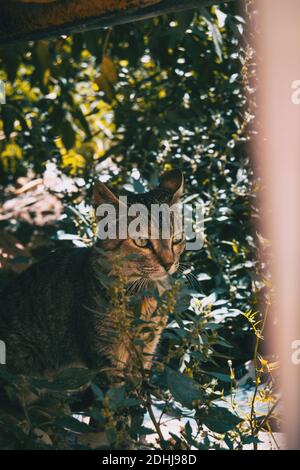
pixel 254 430
pixel 153 419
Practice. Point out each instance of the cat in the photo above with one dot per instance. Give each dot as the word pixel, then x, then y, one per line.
pixel 55 315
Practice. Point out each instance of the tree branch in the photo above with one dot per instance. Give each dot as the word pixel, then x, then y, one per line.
pixel 29 21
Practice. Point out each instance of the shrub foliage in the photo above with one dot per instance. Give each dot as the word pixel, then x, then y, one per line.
pixel 130 102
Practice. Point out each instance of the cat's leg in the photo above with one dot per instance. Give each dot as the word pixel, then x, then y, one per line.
pixel 157 324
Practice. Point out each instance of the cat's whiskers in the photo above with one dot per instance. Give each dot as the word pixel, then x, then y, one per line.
pixel 136 285
pixel 132 286
pixel 192 279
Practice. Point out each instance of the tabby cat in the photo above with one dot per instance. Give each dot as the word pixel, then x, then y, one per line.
pixel 54 316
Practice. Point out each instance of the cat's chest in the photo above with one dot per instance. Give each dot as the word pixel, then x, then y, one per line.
pixel 148 307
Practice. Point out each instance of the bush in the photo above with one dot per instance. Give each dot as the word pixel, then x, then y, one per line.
pixel 130 102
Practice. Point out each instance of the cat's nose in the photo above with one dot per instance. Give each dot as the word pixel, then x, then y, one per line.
pixel 168 266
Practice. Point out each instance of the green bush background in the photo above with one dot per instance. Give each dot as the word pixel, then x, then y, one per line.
pixel 131 102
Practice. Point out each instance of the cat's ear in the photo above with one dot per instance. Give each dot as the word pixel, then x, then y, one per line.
pixel 173 182
pixel 103 195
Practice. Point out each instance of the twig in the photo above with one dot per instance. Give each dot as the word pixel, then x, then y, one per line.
pixel 266 418
pixel 153 419
pixel 252 412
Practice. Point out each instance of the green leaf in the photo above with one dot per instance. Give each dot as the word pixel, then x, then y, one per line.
pixel 9 116
pixel 116 396
pixel 68 379
pixel 218 375
pixel 219 419
pixel 143 431
pixel 73 424
pixel 72 378
pixel 98 392
pixel 246 440
pixel 67 134
pixel 83 122
pixel 9 377
pixel 183 389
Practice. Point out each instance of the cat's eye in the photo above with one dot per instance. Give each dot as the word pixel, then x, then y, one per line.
pixel 141 242
pixel 177 238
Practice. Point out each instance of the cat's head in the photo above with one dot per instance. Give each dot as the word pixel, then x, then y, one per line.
pixel 145 257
